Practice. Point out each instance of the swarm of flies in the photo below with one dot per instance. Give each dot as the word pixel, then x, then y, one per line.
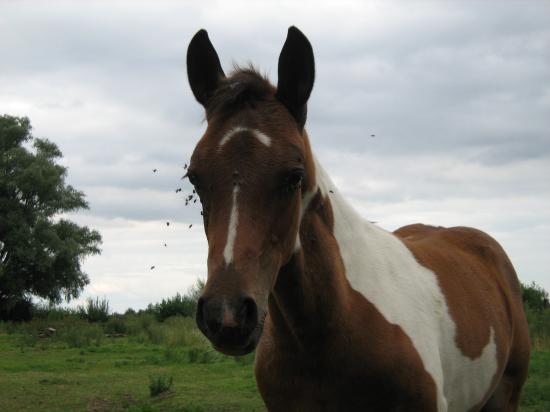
pixel 190 198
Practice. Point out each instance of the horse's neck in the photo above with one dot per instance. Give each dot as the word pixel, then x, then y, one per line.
pixel 312 289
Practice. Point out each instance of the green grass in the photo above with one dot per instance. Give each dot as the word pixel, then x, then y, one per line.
pixel 536 393
pixel 116 377
pixel 81 369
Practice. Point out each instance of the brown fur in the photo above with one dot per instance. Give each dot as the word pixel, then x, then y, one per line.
pixel 313 356
pixel 482 291
pixel 323 345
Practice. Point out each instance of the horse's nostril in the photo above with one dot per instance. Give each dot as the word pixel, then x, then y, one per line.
pixel 209 316
pixel 227 323
pixel 247 314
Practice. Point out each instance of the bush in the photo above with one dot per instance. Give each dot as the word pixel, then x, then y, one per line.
pixel 51 313
pixel 178 305
pixel 77 333
pixel 182 305
pixel 95 310
pixel 535 296
pixel 16 310
pixel 159 385
pixel 115 325
pixel 129 312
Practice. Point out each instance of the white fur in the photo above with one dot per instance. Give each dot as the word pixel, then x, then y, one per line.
pixel 232 228
pixel 262 137
pixel 306 200
pixel 384 270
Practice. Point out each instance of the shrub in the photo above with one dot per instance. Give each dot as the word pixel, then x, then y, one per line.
pixel 129 311
pixel 159 385
pixel 95 310
pixel 535 296
pixel 177 305
pixel 115 325
pixel 182 305
pixel 50 312
pixel 30 338
pixel 77 333
pixel 17 310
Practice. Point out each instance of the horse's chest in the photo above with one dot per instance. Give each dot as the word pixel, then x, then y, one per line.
pixel 290 382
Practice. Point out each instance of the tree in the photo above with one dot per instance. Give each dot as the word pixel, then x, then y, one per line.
pixel 40 252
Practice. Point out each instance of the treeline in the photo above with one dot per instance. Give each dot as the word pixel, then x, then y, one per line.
pixel 98 310
pixel 172 320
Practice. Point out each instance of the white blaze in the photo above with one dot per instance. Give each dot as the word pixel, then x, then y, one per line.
pixel 262 137
pixel 232 228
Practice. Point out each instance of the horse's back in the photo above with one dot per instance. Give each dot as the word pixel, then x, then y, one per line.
pixel 483 296
pixel 436 247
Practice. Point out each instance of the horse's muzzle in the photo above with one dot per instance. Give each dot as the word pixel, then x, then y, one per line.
pixel 232 326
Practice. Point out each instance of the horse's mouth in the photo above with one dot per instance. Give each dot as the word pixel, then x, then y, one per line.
pixel 237 350
pixel 233 349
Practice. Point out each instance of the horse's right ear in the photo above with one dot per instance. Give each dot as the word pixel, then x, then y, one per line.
pixel 204 70
pixel 296 74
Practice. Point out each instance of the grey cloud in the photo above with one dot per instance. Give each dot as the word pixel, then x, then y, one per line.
pixel 455 92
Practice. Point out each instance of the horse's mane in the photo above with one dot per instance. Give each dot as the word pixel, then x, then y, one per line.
pixel 243 87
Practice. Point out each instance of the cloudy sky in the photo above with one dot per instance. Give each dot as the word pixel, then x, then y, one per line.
pixel 457 94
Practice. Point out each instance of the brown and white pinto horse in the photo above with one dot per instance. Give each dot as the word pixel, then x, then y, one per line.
pixel 344 316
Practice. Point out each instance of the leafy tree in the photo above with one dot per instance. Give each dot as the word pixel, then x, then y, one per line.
pixel 40 252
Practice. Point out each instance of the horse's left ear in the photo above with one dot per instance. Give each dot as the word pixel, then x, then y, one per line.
pixel 203 67
pixel 296 74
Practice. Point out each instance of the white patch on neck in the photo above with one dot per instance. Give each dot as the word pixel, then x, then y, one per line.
pixel 262 137
pixel 232 229
pixel 297 243
pixel 306 200
pixel 384 270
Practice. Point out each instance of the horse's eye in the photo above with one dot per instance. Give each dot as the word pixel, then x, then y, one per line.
pixel 193 179
pixel 294 180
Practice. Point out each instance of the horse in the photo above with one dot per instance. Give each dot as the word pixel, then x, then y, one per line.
pixel 343 315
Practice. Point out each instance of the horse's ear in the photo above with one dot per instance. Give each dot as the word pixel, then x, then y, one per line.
pixel 296 74
pixel 203 67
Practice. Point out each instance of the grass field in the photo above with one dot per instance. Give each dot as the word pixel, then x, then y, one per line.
pixel 155 361
pixel 115 376
pixel 536 393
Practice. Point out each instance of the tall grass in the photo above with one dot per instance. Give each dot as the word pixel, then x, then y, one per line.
pixel 159 384
pixel 95 310
pixel 69 329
